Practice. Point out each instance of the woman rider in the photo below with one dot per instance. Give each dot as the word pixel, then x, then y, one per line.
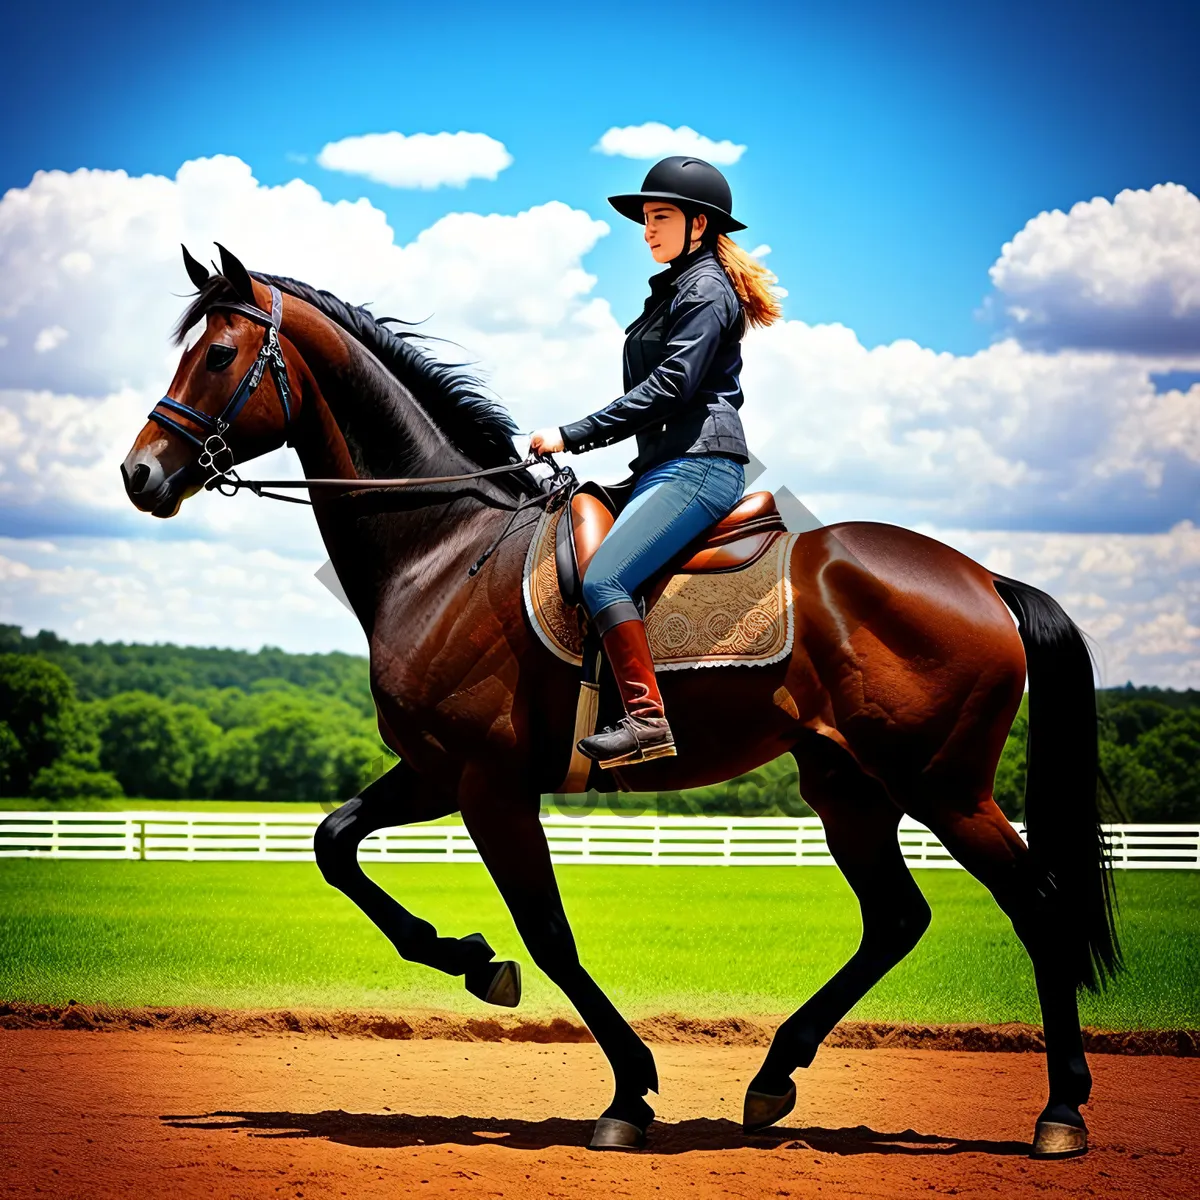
pixel 681 365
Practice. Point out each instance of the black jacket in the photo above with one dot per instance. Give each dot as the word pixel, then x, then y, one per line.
pixel 682 359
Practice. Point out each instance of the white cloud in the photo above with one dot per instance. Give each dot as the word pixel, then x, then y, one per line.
pixel 1006 437
pixel 656 140
pixel 1123 275
pixel 49 339
pixel 418 160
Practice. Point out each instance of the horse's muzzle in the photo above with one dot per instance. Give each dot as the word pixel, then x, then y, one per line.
pixel 149 486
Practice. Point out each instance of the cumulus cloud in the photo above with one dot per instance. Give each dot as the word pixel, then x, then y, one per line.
pixel 1122 275
pixel 656 140
pixel 49 339
pixel 1006 437
pixel 418 160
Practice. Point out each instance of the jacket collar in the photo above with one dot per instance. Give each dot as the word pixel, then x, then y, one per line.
pixel 668 278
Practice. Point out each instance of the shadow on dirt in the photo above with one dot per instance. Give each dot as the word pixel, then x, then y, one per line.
pixel 397 1130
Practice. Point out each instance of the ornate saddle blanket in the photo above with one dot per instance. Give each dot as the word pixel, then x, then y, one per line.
pixel 740 617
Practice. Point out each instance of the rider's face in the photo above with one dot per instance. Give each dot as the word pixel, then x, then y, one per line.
pixel 664 229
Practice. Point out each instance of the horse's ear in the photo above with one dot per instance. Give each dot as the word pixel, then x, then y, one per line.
pixel 197 272
pixel 232 269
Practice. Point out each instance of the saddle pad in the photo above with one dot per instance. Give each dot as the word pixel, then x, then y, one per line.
pixel 742 617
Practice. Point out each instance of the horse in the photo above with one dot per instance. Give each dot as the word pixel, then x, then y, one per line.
pixel 907 670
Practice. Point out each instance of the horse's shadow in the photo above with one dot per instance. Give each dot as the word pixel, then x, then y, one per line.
pixel 398 1130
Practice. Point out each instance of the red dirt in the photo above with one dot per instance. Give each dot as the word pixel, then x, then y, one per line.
pixel 671 1028
pixel 169 1113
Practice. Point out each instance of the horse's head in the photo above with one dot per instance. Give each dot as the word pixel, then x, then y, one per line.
pixel 232 397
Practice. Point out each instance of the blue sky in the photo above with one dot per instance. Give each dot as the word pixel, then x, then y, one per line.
pixel 893 148
pixel 986 217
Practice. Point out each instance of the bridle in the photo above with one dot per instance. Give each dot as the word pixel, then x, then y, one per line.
pixel 217 458
pixel 215 454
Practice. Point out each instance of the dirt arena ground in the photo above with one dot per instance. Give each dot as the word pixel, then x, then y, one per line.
pixel 184 1114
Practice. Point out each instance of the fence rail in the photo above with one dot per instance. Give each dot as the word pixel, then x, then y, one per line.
pixel 682 841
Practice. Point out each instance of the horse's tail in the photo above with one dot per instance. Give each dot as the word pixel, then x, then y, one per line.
pixel 1066 842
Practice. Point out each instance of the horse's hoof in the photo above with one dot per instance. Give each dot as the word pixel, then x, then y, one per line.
pixel 763 1109
pixel 1054 1139
pixel 612 1134
pixel 503 988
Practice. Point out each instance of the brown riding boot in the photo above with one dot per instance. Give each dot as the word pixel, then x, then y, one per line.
pixel 643 733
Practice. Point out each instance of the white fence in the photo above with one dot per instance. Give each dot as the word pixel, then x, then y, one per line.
pixel 683 841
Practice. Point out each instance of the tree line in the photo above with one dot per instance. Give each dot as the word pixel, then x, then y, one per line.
pixel 163 721
pixel 172 722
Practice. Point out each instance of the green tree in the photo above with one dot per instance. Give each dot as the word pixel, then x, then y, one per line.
pixel 287 756
pixel 37 703
pixel 1126 721
pixel 12 758
pixel 201 735
pixel 1140 794
pixel 68 780
pixel 1171 750
pixel 145 745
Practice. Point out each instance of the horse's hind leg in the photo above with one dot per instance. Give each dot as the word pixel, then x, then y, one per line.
pixel 399 798
pixel 860 829
pixel 991 849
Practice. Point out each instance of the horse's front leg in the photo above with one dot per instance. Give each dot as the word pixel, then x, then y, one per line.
pixel 511 841
pixel 399 798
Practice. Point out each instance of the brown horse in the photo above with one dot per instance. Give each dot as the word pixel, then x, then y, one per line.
pixel 906 673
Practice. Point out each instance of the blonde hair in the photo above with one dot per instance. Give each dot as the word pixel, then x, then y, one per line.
pixel 752 282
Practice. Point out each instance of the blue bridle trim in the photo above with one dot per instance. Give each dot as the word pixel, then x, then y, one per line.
pixel 170 423
pixel 270 356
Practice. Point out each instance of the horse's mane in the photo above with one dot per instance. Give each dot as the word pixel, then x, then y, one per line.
pixel 479 426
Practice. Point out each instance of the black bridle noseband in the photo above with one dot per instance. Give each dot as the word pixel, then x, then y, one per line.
pixel 215 455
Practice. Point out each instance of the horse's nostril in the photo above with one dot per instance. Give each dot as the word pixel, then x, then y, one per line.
pixel 137 481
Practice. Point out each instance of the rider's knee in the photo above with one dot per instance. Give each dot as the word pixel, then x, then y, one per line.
pixel 597 588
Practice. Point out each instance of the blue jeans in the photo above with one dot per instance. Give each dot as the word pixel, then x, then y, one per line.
pixel 671 504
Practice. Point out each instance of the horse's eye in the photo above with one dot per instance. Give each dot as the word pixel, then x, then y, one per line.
pixel 219 356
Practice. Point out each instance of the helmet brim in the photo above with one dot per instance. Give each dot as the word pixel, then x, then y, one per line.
pixel 630 206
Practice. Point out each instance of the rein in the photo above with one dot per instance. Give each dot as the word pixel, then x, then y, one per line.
pixel 562 482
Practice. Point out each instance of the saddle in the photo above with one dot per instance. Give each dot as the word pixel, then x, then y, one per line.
pixel 735 541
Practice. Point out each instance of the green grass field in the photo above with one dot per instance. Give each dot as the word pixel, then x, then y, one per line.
pixel 700 940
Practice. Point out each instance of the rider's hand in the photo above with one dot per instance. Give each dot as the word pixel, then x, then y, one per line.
pixel 546 441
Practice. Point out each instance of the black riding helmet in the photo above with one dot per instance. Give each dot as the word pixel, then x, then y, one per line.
pixel 692 185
